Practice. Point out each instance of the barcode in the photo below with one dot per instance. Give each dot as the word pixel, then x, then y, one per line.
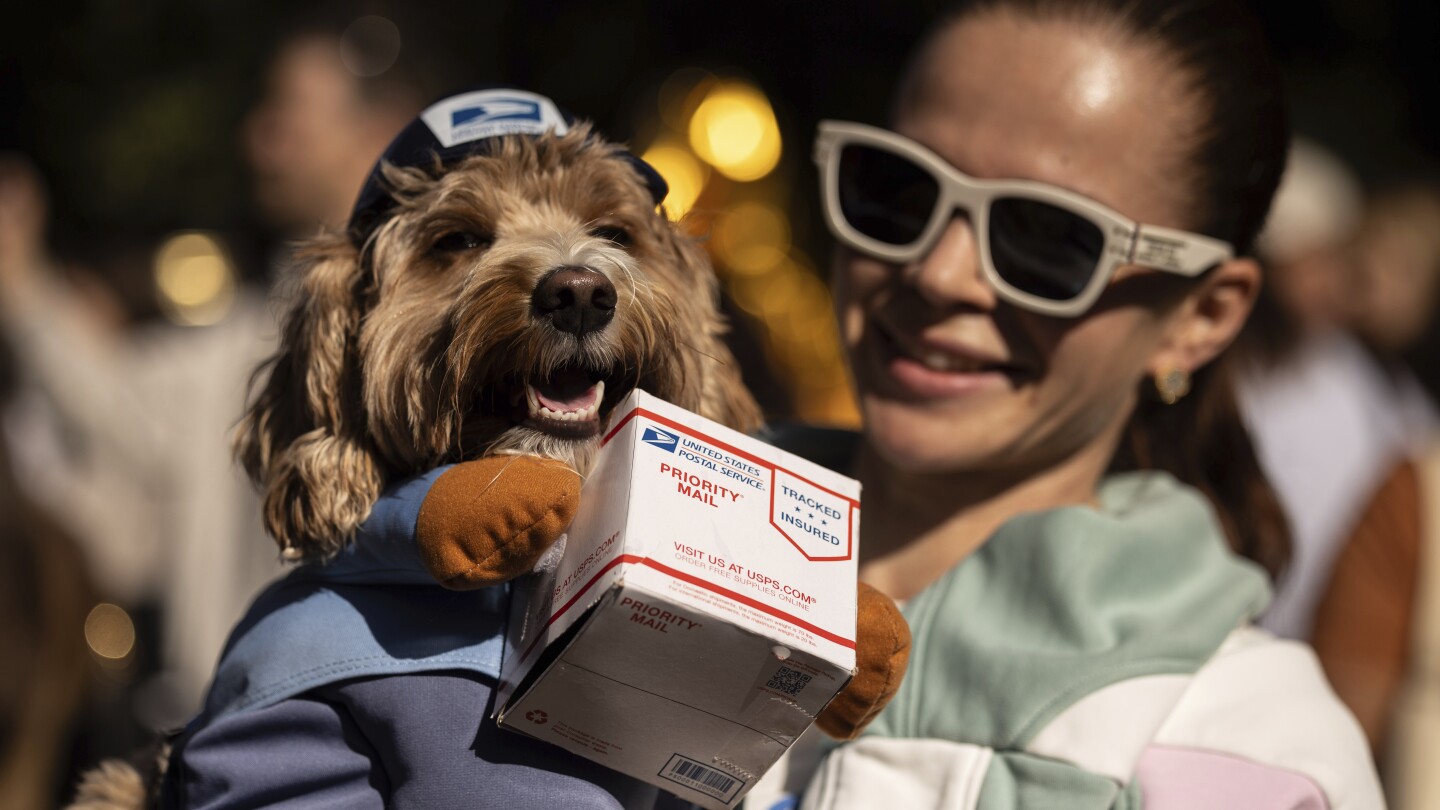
pixel 707 780
pixel 788 681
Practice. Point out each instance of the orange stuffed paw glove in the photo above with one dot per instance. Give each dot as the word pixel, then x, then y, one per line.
pixel 882 650
pixel 488 521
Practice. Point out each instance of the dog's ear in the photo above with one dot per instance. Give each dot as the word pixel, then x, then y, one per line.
pixel 303 439
pixel 723 396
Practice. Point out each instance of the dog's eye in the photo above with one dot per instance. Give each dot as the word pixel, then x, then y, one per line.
pixel 615 234
pixel 458 241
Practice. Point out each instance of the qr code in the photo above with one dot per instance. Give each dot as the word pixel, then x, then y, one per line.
pixel 788 681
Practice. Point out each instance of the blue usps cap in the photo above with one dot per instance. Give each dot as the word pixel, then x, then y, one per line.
pixel 466 124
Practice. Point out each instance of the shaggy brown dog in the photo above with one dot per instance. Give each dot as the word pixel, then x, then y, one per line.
pixel 492 313
pixel 504 307
pixel 500 310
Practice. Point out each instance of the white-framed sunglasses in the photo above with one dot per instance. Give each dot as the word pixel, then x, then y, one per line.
pixel 1042 248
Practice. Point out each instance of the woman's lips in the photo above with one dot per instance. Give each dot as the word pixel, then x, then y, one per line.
pixel 932 372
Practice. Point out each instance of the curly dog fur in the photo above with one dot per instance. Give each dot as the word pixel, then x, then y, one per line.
pixel 411 352
pixel 418 347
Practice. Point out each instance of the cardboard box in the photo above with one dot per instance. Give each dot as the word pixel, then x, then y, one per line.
pixel 702 615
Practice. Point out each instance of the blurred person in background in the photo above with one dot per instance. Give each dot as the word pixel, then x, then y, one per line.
pixel 144 474
pixel 334 99
pixel 1394 281
pixel 138 463
pixel 1377 628
pixel 1316 215
pixel 1328 418
pixel 47 679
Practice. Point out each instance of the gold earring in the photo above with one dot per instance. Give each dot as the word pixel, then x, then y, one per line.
pixel 1172 385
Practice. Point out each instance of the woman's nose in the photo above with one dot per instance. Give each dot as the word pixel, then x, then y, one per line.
pixel 949 275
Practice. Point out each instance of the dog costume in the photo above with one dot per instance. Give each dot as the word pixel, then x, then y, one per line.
pixel 306 709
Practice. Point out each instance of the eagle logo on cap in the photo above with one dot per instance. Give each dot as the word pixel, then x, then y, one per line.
pixel 498 110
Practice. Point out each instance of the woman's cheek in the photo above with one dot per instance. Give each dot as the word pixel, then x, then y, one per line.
pixel 1098 363
pixel 857 284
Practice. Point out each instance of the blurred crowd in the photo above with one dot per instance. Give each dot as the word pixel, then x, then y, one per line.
pixel 129 541
pixel 134 542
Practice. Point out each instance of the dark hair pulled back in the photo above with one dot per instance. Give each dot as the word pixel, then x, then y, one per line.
pixel 1236 157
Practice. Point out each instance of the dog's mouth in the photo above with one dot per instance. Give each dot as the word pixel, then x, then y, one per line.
pixel 572 402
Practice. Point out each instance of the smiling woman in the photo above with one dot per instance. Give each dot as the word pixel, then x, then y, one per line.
pixel 1042 261
pixel 1015 335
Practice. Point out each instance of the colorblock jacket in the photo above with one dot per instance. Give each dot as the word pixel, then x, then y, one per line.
pixel 1104 658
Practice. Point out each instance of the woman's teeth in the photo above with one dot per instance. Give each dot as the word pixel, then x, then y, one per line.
pixel 940 361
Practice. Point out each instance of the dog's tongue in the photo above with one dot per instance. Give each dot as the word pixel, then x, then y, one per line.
pixel 566 391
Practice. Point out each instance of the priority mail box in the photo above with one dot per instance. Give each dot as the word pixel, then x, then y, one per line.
pixel 703 612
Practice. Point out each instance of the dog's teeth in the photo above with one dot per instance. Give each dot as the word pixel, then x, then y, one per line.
pixel 593 409
pixel 585 414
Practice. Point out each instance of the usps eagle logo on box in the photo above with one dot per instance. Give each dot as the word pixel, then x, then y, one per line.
pixel 662 439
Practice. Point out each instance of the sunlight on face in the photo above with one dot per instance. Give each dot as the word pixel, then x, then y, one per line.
pixel 951 378
pixel 1098 84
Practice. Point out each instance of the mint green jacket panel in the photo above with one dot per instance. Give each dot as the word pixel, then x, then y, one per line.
pixel 1061 603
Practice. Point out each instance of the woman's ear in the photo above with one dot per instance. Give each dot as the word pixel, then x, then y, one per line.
pixel 303 438
pixel 1208 318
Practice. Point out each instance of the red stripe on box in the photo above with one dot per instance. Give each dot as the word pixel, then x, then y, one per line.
pixel 693 580
pixel 745 600
pixel 623 558
pixel 735 451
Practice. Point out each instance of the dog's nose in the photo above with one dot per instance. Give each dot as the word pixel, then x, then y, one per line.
pixel 577 300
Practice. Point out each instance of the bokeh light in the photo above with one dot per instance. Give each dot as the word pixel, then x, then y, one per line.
pixel 679 95
pixel 734 130
pixel 730 125
pixel 195 279
pixel 370 45
pixel 788 297
pixel 684 174
pixel 110 633
pixel 752 237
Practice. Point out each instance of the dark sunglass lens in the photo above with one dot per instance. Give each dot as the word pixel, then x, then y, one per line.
pixel 1043 249
pixel 884 196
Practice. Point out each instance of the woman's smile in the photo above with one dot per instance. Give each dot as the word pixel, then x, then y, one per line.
pixel 919 366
